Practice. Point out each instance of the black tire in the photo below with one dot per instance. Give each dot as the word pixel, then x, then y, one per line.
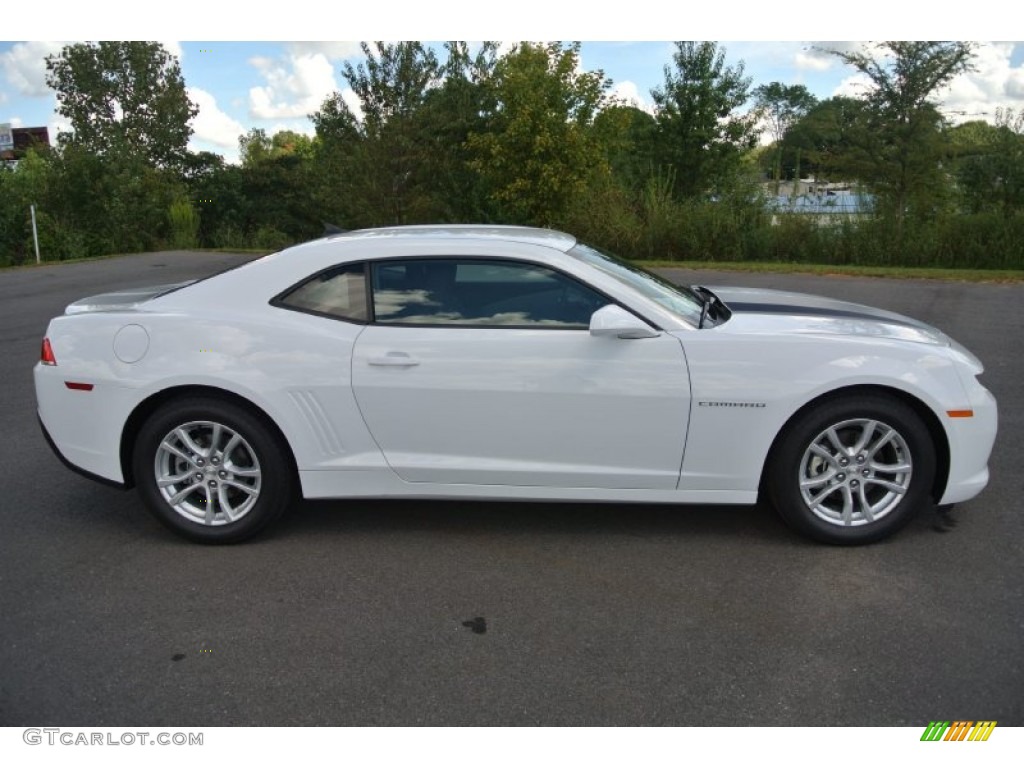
pixel 255 500
pixel 834 485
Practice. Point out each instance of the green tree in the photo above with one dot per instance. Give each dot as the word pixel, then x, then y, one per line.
pixel 184 225
pixel 122 165
pixel 292 143
pixel 701 135
pixel 628 135
pixel 200 166
pixel 27 184
pixel 782 105
pixel 219 192
pixel 113 204
pixel 442 126
pixel 538 148
pixel 991 165
pixel 901 145
pixel 124 98
pixel 372 158
pixel 823 141
pixel 254 147
pixel 393 82
pixel 268 202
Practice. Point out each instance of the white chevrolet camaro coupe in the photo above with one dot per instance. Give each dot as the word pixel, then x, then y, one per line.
pixel 486 362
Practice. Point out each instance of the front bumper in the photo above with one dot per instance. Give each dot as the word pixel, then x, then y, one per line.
pixel 970 446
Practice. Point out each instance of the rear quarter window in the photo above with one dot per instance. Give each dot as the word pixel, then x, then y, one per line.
pixel 337 292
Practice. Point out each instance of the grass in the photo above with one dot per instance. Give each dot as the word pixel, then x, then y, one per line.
pixel 261 251
pixel 55 262
pixel 910 273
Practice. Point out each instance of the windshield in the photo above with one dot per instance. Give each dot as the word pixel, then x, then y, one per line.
pixel 677 299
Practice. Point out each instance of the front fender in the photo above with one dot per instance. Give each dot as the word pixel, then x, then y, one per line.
pixel 745 391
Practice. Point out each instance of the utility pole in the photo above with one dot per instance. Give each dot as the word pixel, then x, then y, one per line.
pixel 35 233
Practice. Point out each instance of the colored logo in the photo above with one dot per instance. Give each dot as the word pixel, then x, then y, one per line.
pixel 959 730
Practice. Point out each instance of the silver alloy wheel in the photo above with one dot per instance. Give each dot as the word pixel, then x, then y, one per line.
pixel 207 473
pixel 855 472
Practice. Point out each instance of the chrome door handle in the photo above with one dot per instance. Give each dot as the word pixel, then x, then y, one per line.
pixel 393 359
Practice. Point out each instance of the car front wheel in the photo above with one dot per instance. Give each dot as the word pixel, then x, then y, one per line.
pixel 211 471
pixel 852 470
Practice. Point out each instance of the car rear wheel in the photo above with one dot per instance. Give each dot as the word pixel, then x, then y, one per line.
pixel 211 471
pixel 852 470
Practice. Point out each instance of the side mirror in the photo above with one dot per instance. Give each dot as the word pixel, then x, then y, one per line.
pixel 614 321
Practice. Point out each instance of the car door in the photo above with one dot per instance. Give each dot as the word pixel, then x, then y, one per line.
pixel 484 372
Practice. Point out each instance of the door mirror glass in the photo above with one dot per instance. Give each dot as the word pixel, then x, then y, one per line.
pixel 613 320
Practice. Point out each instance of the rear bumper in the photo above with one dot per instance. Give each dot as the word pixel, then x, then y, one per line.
pixel 74 467
pixel 83 427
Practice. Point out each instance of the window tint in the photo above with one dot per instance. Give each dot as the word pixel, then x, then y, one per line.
pixel 340 292
pixel 491 272
pixel 480 292
pixel 679 299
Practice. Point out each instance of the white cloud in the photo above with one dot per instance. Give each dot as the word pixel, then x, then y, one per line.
pixel 813 61
pixel 973 95
pixel 295 86
pixel 994 83
pixel 504 46
pixel 967 90
pixel 628 92
pixel 350 98
pixel 211 124
pixel 340 49
pixel 56 127
pixel 16 122
pixel 1015 84
pixel 25 66
pixel 173 47
pixel 855 86
pixel 305 128
pixel 843 46
pixel 817 57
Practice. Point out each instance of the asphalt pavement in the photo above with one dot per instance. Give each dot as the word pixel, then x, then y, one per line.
pixel 472 613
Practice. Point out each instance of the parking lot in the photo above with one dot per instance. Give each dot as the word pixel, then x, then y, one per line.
pixel 460 613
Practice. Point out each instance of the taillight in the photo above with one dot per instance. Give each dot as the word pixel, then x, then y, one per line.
pixel 46 356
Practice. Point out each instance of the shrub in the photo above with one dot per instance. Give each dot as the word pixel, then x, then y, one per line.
pixel 184 223
pixel 270 238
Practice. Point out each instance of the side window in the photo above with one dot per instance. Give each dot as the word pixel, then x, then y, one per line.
pixel 339 292
pixel 480 292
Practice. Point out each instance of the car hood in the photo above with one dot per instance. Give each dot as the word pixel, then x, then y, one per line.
pixel 122 300
pixel 757 310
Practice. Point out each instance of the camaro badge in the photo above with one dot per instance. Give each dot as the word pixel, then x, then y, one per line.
pixel 728 404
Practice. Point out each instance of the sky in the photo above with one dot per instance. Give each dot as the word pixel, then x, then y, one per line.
pixel 241 81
